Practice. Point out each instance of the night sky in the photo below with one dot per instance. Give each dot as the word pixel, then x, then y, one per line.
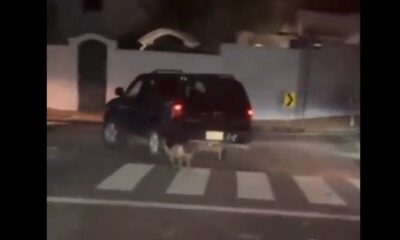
pixel 216 21
pixel 335 6
pixel 213 21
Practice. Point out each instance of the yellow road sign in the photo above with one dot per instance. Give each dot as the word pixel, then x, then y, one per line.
pixel 289 100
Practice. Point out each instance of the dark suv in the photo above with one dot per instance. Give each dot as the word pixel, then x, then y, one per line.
pixel 176 107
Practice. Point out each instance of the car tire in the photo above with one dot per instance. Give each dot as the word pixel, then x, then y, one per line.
pixel 113 135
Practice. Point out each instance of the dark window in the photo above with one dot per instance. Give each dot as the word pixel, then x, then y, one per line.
pixel 217 92
pixel 134 89
pixel 92 5
pixel 169 86
pixel 146 91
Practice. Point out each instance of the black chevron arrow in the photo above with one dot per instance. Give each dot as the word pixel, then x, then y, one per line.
pixel 290 100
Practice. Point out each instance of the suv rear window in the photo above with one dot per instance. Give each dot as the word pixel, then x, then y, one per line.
pixel 169 85
pixel 217 92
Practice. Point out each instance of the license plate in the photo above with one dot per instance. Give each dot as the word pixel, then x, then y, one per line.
pixel 214 135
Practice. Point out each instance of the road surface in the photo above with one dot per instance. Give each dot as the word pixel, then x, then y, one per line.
pixel 283 187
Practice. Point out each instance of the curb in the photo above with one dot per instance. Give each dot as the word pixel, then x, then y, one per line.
pixel 72 121
pixel 257 132
pixel 307 133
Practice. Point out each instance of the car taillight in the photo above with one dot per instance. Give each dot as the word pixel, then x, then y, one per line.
pixel 250 113
pixel 177 110
pixel 178 107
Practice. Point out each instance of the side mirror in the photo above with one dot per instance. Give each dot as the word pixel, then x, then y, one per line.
pixel 119 91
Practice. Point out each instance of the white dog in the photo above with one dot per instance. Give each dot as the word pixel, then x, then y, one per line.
pixel 183 153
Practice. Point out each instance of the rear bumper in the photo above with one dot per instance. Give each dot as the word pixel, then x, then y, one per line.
pixel 229 137
pixel 226 145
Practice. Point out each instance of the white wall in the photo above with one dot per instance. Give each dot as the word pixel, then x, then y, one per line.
pixel 266 74
pixel 334 80
pixel 62 84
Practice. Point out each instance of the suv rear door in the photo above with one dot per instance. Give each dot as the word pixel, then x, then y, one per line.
pixel 157 91
pixel 139 105
pixel 216 102
pixel 130 105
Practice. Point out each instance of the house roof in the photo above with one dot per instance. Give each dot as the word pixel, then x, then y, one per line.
pixel 150 37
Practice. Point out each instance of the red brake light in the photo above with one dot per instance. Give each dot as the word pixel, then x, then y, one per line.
pixel 250 112
pixel 177 110
pixel 178 107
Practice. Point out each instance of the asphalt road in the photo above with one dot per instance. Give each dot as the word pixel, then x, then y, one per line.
pixel 284 187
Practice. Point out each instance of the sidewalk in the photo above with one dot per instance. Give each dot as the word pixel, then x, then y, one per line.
pixel 316 126
pixel 73 116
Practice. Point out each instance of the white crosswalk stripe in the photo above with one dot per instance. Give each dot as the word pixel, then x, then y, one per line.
pixel 317 191
pixel 52 152
pixel 125 178
pixel 253 185
pixel 355 182
pixel 249 185
pixel 190 182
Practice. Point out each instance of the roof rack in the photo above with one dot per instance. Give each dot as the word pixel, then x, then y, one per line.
pixel 167 71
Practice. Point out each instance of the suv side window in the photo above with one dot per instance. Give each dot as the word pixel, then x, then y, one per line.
pixel 145 91
pixel 134 89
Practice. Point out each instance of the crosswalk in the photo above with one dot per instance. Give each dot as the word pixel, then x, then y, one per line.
pixel 249 185
pixel 52 152
pixel 355 182
pixel 126 178
pixel 190 182
pixel 254 185
pixel 317 191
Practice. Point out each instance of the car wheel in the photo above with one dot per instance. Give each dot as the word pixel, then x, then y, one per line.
pixel 113 135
